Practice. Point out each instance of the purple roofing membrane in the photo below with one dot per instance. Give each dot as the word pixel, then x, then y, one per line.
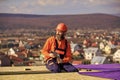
pixel 111 71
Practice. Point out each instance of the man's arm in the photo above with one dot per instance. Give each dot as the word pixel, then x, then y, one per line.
pixel 46 48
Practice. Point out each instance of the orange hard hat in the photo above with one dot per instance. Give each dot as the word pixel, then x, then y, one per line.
pixel 61 27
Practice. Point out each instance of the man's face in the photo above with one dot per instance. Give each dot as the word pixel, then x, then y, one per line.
pixel 60 35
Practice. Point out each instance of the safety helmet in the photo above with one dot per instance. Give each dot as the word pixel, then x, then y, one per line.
pixel 61 27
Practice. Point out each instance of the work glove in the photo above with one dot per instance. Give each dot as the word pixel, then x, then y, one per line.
pixel 53 55
pixel 57 56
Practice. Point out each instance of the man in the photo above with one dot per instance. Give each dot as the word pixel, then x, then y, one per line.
pixel 57 51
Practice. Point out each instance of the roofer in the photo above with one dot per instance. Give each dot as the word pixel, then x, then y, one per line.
pixel 57 51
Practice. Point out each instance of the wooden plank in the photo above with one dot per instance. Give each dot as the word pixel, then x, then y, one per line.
pixel 40 73
pixel 52 76
pixel 23 70
pixel 30 70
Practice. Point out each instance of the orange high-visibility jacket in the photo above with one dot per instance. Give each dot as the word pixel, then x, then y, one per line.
pixel 50 46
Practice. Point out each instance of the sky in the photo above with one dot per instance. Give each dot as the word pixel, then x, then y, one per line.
pixel 54 7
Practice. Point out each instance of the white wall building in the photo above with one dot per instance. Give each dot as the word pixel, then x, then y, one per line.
pixel 91 52
pixel 116 56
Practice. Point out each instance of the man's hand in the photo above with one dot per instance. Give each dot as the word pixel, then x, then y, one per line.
pixel 55 55
pixel 52 55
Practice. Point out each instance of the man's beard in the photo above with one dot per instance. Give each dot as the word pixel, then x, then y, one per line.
pixel 60 37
